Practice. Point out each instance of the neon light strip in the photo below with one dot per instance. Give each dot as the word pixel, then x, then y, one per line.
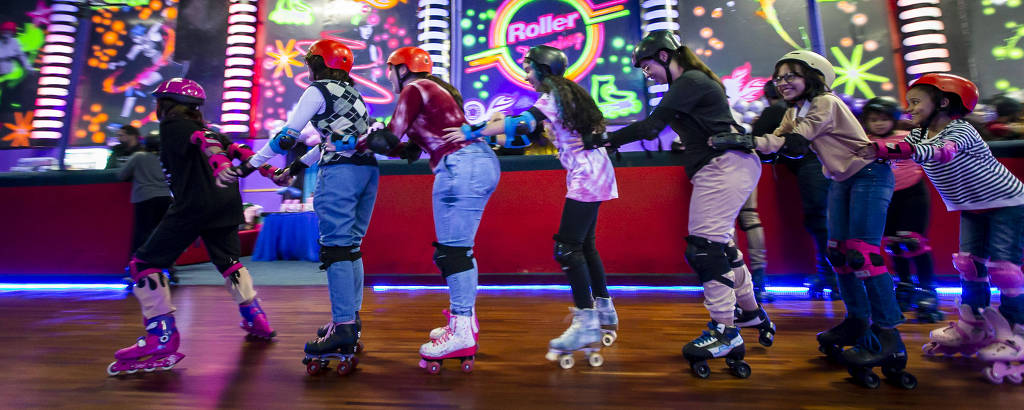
pixel 239 128
pixel 933 25
pixel 924 54
pixel 46 135
pixel 921 12
pixel 905 3
pixel 929 68
pixel 947 291
pixel 239 66
pixel 925 39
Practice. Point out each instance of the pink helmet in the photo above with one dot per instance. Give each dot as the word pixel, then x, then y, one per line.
pixel 181 90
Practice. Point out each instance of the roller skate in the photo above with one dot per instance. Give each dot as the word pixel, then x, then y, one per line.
pixel 964 336
pixel 926 302
pixel 340 342
pixel 718 341
pixel 583 334
pixel 457 342
pixel 820 288
pixel 1007 349
pixel 879 348
pixel 757 319
pixel 322 331
pixel 831 342
pixel 905 292
pixel 255 321
pixel 157 350
pixel 436 332
pixel 609 320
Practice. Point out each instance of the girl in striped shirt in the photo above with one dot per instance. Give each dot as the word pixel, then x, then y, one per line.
pixel 990 198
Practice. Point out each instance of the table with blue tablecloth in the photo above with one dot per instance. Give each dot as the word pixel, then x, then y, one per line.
pixel 288 236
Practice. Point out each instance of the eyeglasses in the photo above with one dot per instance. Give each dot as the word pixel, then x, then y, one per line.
pixel 786 79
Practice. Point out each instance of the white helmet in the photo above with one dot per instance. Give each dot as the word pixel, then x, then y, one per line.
pixel 813 60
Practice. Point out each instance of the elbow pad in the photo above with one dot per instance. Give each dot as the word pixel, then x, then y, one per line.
pixel 518 130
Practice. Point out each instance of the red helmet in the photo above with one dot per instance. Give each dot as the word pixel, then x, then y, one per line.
pixel 949 83
pixel 8 26
pixel 415 58
pixel 335 54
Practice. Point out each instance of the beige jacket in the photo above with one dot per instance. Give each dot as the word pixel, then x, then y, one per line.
pixel 835 135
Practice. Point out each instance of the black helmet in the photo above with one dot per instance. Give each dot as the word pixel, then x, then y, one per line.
pixel 770 91
pixel 1005 105
pixel 652 44
pixel 884 105
pixel 550 57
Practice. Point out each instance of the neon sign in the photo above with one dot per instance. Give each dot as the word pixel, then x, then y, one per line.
pixel 294 12
pixel 505 33
pixel 612 102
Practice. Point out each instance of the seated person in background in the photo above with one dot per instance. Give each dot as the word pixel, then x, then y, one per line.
pixel 128 136
pixel 1009 122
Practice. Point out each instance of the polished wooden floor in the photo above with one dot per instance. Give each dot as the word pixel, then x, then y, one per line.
pixel 55 347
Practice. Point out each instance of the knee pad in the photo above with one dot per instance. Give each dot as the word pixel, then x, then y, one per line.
pixel 749 219
pixel 906 244
pixel 153 294
pixel 238 281
pixel 331 254
pixel 734 255
pixel 708 259
pixel 452 259
pixel 568 254
pixel 968 265
pixel 864 259
pixel 1007 277
pixel 836 255
pixel 140 269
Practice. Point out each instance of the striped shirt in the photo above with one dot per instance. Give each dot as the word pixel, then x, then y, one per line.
pixel 974 179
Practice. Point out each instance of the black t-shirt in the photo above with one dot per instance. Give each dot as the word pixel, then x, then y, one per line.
pixel 770 119
pixel 119 155
pixel 197 198
pixel 695 106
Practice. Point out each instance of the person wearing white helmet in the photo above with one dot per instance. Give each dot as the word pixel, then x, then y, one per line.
pixel 859 197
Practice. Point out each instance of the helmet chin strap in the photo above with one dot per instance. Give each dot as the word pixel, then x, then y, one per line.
pixel 666 64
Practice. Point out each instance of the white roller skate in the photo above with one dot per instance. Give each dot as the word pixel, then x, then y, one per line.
pixel 436 332
pixel 1006 353
pixel 583 334
pixel 964 336
pixel 609 320
pixel 457 342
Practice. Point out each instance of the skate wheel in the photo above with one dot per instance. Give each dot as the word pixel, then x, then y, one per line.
pixel 306 360
pixel 360 347
pixel 608 339
pixel 701 369
pixel 992 376
pixel 313 367
pixel 433 367
pixel 766 339
pixel 595 359
pixel 566 361
pixel 355 362
pixel 741 369
pixel 929 348
pixel 111 371
pixel 467 366
pixel 1015 378
pixel 344 368
pixel 907 381
pixel 866 378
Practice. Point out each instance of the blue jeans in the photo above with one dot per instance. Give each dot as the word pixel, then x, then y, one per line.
pixel 995 235
pixel 856 210
pixel 343 200
pixel 463 182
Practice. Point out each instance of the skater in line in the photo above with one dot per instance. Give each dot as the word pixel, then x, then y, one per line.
pixel 207 205
pixel 345 193
pixel 858 199
pixel 696 107
pixel 991 204
pixel 568 111
pixel 906 222
pixel 465 175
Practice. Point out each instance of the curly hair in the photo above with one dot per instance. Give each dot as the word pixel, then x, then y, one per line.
pixel 577 110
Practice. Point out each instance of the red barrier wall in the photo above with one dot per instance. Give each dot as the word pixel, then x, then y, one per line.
pixel 70 229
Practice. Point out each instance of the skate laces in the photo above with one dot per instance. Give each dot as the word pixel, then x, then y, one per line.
pixel 330 331
pixel 870 342
pixel 449 329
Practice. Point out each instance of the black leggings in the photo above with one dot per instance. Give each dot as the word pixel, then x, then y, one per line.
pixel 909 211
pixel 148 214
pixel 174 235
pixel 586 279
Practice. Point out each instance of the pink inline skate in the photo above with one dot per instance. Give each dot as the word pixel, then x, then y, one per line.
pixel 157 350
pixel 1006 353
pixel 255 321
pixel 965 336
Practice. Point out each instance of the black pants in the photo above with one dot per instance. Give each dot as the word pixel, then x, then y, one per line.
pixel 173 235
pixel 909 211
pixel 814 198
pixel 587 277
pixel 148 214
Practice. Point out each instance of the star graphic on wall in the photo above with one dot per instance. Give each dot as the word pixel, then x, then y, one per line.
pixel 284 58
pixel 854 75
pixel 21 128
pixel 41 15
